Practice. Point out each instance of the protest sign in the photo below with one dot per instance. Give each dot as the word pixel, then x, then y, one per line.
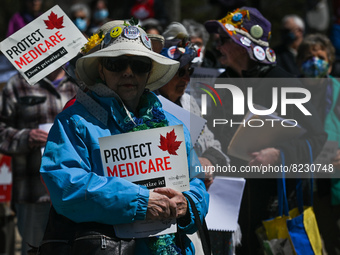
pixel 5 178
pixel 152 158
pixel 43 45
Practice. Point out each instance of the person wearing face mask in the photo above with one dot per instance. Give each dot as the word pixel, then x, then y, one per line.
pixel 292 33
pixel 80 15
pixel 315 58
pixel 244 44
pixel 100 15
pixel 199 37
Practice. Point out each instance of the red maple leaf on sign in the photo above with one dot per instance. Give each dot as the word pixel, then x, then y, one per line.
pixel 169 143
pixel 54 22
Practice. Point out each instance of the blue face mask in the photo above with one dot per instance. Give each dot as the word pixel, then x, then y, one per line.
pixel 100 15
pixel 315 68
pixel 80 24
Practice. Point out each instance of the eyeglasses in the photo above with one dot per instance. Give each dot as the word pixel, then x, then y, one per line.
pixel 182 71
pixel 138 64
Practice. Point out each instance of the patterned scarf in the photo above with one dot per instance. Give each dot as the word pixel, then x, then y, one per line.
pixel 151 115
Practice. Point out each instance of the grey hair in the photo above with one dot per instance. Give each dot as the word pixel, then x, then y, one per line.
pixel 196 29
pixel 175 30
pixel 297 20
pixel 81 7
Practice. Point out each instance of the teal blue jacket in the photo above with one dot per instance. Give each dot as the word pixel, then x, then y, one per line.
pixel 73 173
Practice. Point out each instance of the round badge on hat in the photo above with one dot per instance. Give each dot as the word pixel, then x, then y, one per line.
pixel 230 27
pixel 256 31
pixel 146 40
pixel 115 32
pixel 271 56
pixel 171 52
pixel 131 32
pixel 245 41
pixel 259 53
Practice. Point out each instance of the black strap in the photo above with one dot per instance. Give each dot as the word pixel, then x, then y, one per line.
pixel 202 227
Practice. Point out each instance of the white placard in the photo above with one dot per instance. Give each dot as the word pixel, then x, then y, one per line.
pixel 43 45
pixel 193 122
pixel 46 127
pixel 224 203
pixel 153 158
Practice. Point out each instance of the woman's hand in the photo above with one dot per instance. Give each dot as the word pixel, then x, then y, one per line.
pixel 160 207
pixel 176 197
pixel 265 157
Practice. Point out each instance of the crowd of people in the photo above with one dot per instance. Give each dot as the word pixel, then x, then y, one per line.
pixel 113 86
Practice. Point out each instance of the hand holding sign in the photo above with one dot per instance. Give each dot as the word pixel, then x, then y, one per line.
pixel 177 197
pixel 160 207
pixel 37 138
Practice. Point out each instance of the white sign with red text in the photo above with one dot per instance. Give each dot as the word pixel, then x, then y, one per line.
pixel 43 45
pixel 152 158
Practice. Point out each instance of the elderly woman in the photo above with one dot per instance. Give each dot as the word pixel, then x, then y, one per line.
pixel 120 72
pixel 315 59
pixel 245 51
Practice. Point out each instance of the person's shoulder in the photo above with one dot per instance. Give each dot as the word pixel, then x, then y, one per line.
pixel 280 49
pixel 335 81
pixel 15 16
pixel 278 72
pixel 74 113
pixel 172 119
pixel 68 83
pixel 17 80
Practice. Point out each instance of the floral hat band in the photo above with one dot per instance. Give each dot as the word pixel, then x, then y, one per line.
pixel 248 28
pixel 234 23
pixel 129 31
pixel 117 38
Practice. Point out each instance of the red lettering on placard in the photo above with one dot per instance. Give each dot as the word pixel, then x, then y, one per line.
pixel 37 51
pixel 114 171
pixel 21 63
pixel 167 163
pixel 139 167
pixel 159 164
pixel 121 170
pixel 130 169
pixel 151 166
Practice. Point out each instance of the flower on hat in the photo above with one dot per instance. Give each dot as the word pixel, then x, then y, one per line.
pixel 235 19
pixel 93 41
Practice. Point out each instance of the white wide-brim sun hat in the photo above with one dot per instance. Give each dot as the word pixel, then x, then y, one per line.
pixel 116 44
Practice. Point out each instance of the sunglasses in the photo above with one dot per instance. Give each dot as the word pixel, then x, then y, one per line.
pixel 182 71
pixel 138 64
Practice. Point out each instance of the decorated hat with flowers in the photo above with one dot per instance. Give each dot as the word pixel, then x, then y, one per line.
pixel 117 38
pixel 248 28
